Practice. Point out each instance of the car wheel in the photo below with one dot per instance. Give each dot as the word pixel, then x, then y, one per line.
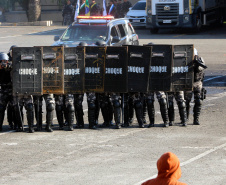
pixel 154 30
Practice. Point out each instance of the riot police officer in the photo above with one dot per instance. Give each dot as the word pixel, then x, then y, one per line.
pixel 198 90
pixel 67 13
pixel 5 84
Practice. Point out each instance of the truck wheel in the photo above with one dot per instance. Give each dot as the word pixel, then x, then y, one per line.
pixel 154 30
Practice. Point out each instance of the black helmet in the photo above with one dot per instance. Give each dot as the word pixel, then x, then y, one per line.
pixel 100 43
pixel 4 56
pixel 83 44
pixel 13 46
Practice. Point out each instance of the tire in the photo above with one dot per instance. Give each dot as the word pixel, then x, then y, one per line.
pixel 154 30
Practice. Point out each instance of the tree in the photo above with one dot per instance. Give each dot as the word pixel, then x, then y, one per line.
pixel 32 8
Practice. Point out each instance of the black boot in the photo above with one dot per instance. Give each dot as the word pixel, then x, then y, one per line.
pixel 2 115
pixel 105 113
pixel 80 119
pixel 71 110
pixel 188 106
pixel 144 111
pixel 164 112
pixel 91 115
pixel 197 111
pixel 117 114
pixel 182 112
pixel 60 116
pixel 30 117
pixel 171 113
pixel 139 113
pixel 19 118
pixel 49 117
pixel 151 112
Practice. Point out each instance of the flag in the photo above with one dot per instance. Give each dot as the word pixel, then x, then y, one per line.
pixel 87 12
pixel 104 8
pixel 77 10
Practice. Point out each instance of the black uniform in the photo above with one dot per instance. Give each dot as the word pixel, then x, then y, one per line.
pixel 82 9
pixel 125 7
pixel 94 9
pixel 67 13
pixel 198 90
pixel 5 92
pixel 119 11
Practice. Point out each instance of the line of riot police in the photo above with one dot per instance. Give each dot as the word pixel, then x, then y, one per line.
pixel 117 81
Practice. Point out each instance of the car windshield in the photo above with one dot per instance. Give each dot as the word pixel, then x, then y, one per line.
pixel 139 6
pixel 85 33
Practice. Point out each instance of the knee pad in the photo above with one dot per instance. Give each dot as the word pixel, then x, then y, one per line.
pixel 198 102
pixel 71 108
pixel 29 107
pixel 91 105
pixel 59 108
pixel 162 101
pixel 150 102
pixel 171 103
pixel 182 104
pixel 116 104
pixel 50 107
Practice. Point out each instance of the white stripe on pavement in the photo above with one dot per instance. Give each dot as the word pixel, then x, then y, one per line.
pixel 191 160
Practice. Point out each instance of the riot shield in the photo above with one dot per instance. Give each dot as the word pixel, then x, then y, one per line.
pixel 116 78
pixel 53 70
pixel 74 70
pixel 139 58
pixel 94 68
pixel 182 68
pixel 27 71
pixel 161 68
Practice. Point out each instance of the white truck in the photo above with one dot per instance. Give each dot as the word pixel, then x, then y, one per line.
pixel 183 13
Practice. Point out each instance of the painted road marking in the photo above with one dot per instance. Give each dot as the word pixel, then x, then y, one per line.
pixel 191 160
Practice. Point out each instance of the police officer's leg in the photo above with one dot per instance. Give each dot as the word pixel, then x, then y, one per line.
pixel 18 108
pixel 143 99
pixel 131 108
pixel 126 110
pixel 182 107
pixel 30 117
pixel 117 110
pixel 49 111
pixel 91 98
pixel 59 102
pixel 38 111
pixel 171 112
pixel 104 109
pixel 151 109
pixel 197 107
pixel 78 99
pixel 2 110
pixel 69 102
pixel 110 110
pixel 139 110
pixel 163 107
pixel 97 107
pixel 10 115
pixel 188 97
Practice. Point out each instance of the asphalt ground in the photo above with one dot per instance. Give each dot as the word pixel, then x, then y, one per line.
pixel 129 155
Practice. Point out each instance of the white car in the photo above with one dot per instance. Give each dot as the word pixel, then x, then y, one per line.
pixel 137 14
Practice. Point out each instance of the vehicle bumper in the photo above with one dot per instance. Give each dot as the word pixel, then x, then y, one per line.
pixel 180 22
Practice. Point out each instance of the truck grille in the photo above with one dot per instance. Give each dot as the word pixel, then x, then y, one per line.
pixel 171 14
